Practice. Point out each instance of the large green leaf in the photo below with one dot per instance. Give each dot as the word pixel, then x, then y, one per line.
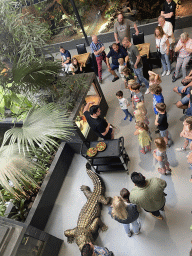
pixel 15 168
pixel 40 129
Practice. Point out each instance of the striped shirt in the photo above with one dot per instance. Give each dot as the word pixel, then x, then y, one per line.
pixel 95 47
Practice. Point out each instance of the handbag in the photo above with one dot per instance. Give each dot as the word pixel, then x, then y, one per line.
pixel 158 51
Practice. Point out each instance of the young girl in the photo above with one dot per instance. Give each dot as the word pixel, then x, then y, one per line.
pixel 143 136
pixel 160 155
pixel 141 106
pixel 128 75
pixel 140 117
pixel 125 214
pixel 121 67
pixel 154 78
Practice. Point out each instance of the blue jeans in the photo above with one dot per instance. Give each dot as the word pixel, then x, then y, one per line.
pixel 141 79
pixel 127 113
pixel 135 227
pixel 165 62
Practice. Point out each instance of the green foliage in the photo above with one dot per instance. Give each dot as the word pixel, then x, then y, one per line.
pixel 112 9
pixel 33 76
pixel 2 209
pixel 22 34
pixel 148 9
pixel 21 210
pixel 40 129
pixel 17 103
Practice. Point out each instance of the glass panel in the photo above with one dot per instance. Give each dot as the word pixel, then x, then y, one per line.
pixel 81 122
pixel 30 246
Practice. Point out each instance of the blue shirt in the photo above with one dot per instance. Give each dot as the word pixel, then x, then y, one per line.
pixel 117 55
pixel 95 47
pixel 65 55
pixel 157 99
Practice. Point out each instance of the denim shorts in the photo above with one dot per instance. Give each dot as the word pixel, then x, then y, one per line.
pixel 164 133
pixel 189 140
pixel 113 67
pixel 184 100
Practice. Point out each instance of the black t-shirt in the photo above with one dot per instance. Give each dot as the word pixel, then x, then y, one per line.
pixel 162 121
pixel 98 124
pixel 167 8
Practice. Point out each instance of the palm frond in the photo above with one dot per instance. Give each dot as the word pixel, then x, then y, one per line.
pixel 35 75
pixel 40 128
pixel 15 168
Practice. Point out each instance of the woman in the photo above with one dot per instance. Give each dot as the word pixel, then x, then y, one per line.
pixel 162 45
pixel 184 48
pixel 75 67
pixel 125 214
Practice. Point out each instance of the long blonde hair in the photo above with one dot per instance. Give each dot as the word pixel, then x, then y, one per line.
pixel 119 208
pixel 139 116
pixel 141 106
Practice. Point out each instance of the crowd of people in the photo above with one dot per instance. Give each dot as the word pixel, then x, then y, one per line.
pixel 148 194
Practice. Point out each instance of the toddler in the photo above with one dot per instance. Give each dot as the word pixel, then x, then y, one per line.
pixel 121 67
pixel 160 155
pixel 154 78
pixel 143 136
pixel 124 105
pixel 187 134
pixel 139 116
pixel 161 122
pixel 156 91
pixel 128 76
pixel 137 96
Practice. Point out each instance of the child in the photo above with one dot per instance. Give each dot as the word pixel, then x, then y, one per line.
pixel 124 193
pixel 161 122
pixel 187 134
pixel 137 96
pixel 160 155
pixel 154 78
pixel 141 106
pixel 127 76
pixel 139 116
pixel 124 105
pixel 121 67
pixel 144 138
pixel 156 90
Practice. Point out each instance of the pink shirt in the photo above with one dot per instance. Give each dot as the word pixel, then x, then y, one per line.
pixel 182 52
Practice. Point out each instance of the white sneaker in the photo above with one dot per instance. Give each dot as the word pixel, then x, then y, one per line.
pixel 164 73
pixel 180 149
pixel 168 73
pixel 147 92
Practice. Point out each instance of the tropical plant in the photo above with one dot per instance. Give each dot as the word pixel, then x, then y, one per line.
pixel 22 35
pixel 41 128
pixel 17 169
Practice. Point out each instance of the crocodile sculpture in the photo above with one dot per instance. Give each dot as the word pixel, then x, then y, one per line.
pixel 89 218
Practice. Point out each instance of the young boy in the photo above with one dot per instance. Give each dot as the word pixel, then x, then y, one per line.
pixel 121 67
pixel 124 105
pixel 127 76
pixel 156 91
pixel 161 122
pixel 137 96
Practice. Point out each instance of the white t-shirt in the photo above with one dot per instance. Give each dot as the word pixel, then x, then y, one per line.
pixel 161 43
pixel 72 68
pixel 168 30
pixel 123 103
pixel 120 70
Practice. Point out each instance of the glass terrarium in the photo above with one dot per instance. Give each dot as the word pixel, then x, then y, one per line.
pixel 92 96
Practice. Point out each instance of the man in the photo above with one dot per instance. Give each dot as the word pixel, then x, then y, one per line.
pixel 135 62
pixel 98 49
pixel 168 12
pixel 92 250
pixel 168 30
pixel 98 124
pixel 148 194
pixel 184 91
pixel 122 28
pixel 65 58
pixel 116 53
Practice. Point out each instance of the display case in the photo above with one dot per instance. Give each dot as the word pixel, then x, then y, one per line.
pixel 92 93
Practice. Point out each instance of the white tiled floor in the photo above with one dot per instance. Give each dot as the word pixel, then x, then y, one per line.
pixel 170 237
